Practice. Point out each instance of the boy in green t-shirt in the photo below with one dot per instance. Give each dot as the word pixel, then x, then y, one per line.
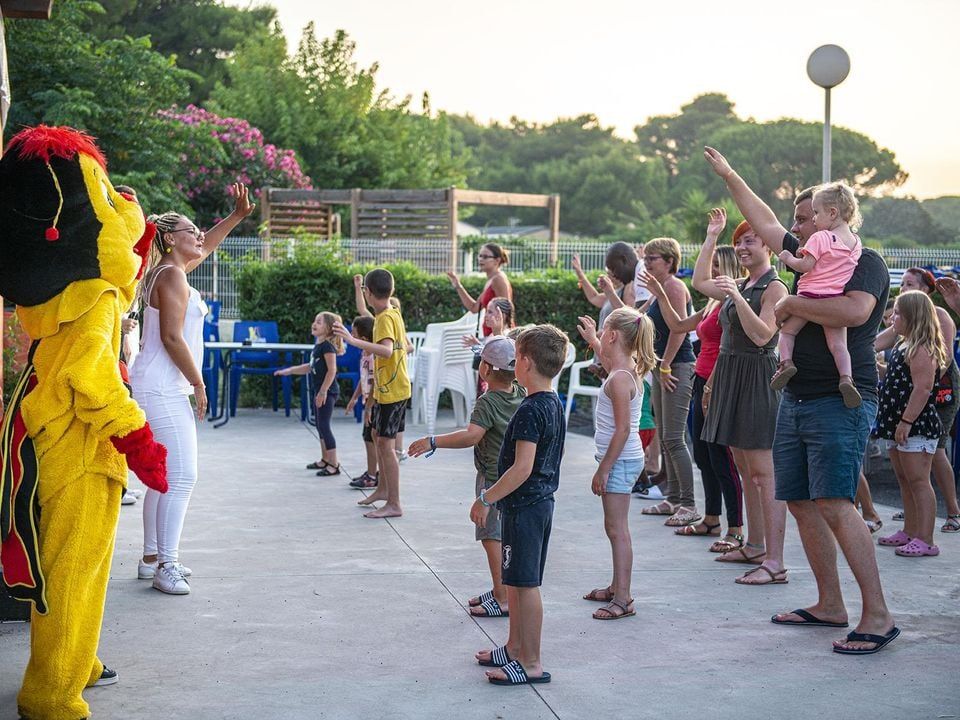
pixel 484 434
pixel 391 386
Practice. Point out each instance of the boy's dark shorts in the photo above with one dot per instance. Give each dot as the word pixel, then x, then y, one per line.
pixel 388 419
pixel 525 535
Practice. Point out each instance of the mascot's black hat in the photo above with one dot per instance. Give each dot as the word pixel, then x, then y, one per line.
pixel 48 226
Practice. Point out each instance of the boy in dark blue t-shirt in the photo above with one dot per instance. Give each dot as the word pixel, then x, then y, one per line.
pixel 529 467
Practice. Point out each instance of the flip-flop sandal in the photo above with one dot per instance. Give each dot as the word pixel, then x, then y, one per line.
pixel 480 599
pixel 491 608
pixel 327 472
pixel 739 555
pixel 603 595
pixel 498 658
pixel 873 525
pixel 626 611
pixel 683 517
pixel 729 543
pixel 808 619
pixel 662 508
pixel 881 642
pixel 776 578
pixel 952 525
pixel 516 675
pixel 692 531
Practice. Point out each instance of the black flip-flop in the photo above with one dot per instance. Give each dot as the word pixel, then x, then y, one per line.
pixel 491 608
pixel 498 658
pixel 480 599
pixel 809 619
pixel 516 675
pixel 881 642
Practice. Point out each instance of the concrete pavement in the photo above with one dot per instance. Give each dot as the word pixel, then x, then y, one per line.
pixel 301 608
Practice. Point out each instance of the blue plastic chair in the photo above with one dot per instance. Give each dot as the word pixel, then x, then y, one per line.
pixel 255 362
pixel 211 367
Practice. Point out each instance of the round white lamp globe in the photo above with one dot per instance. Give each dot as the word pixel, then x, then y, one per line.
pixel 828 66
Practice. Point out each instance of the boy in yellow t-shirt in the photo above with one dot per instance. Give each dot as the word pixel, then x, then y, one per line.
pixel 391 386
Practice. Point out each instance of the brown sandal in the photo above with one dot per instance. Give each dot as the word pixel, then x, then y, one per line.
pixel 700 529
pixel 625 611
pixel 603 595
pixel 739 555
pixel 776 578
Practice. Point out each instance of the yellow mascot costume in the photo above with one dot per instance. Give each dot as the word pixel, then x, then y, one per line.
pixel 71 252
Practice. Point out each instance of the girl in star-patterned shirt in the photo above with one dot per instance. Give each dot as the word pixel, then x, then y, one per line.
pixel 907 415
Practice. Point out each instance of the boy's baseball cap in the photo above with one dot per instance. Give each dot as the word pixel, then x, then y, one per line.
pixel 500 353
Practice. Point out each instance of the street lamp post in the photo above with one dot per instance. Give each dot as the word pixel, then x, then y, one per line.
pixel 827 66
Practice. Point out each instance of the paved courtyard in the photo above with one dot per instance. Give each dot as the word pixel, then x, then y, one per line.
pixel 301 608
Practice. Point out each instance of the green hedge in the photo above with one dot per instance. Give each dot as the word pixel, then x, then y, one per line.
pixel 318 278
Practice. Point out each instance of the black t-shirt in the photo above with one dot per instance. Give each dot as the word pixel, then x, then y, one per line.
pixel 539 420
pixel 318 366
pixel 817 374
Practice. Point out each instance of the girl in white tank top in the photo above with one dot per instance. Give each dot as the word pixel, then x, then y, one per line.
pixel 625 347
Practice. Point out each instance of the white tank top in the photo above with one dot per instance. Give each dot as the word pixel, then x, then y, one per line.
pixel 633 448
pixel 154 371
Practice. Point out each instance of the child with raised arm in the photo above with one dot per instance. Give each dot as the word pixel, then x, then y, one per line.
pixel 529 467
pixel 827 261
pixel 484 434
pixel 322 369
pixel 625 348
pixel 391 387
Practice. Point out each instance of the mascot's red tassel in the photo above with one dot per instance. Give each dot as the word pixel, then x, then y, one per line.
pixel 70 256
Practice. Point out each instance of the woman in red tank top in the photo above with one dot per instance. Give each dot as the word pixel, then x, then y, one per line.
pixel 491 259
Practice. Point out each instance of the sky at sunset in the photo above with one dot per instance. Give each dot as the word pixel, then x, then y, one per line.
pixel 625 61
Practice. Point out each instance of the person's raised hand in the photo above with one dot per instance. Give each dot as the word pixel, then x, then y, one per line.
pixel 950 289
pixel 652 284
pixel 454 280
pixel 718 162
pixel 470 340
pixel 716 223
pixel 587 329
pixel 603 283
pixel 575 263
pixel 358 281
pixel 341 332
pixel 727 285
pixel 242 206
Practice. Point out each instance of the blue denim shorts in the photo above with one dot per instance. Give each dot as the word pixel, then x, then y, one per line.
pixel 623 475
pixel 818 447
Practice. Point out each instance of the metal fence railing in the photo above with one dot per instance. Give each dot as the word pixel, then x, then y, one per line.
pixel 216 277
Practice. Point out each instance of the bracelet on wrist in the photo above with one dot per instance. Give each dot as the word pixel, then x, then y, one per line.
pixel 482 498
pixel 433 446
pixel 907 422
pixel 666 369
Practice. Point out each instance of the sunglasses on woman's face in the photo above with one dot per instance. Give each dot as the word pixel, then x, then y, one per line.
pixel 484 257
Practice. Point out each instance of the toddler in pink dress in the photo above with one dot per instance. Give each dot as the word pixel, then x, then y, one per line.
pixel 827 261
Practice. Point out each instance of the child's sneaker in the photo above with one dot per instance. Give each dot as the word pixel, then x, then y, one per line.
pixel 146 571
pixel 401 455
pixel 170 580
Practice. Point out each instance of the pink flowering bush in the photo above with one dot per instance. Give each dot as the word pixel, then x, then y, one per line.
pixel 237 153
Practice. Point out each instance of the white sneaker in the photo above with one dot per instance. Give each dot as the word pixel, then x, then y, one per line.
pixel 401 455
pixel 168 579
pixel 128 499
pixel 146 571
pixel 650 493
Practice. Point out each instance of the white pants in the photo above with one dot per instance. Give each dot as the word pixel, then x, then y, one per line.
pixel 174 426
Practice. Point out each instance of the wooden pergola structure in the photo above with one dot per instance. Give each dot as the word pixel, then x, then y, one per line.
pixel 392 214
pixel 40 10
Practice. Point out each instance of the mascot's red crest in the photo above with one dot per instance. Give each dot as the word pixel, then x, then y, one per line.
pixel 44 142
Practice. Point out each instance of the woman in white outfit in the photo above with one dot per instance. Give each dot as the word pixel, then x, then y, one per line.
pixel 166 374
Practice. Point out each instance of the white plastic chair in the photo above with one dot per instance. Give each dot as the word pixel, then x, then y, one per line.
pixel 575 388
pixel 443 363
pixel 415 338
pixel 567 362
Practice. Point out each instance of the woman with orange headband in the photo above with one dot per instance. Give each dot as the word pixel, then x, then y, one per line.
pixel 743 409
